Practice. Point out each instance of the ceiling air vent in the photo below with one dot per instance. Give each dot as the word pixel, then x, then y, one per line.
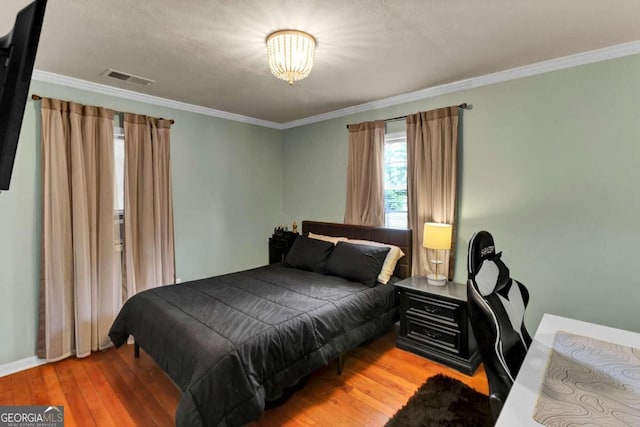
pixel 126 77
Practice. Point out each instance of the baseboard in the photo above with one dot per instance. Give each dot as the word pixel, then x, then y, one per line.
pixel 20 365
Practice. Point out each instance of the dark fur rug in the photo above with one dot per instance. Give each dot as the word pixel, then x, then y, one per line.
pixel 444 401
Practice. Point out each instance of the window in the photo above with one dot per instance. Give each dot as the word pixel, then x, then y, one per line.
pixel 395 180
pixel 118 176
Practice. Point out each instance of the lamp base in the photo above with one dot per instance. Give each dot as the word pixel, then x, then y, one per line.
pixel 438 280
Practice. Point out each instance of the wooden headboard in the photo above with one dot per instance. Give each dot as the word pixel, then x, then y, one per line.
pixel 392 236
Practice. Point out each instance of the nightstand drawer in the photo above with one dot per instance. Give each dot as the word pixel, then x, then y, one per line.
pixel 279 244
pixel 433 308
pixel 435 335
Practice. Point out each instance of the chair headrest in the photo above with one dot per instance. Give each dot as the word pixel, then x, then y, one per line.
pixel 481 247
pixel 486 270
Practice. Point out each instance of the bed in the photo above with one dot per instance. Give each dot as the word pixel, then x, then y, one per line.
pixel 234 341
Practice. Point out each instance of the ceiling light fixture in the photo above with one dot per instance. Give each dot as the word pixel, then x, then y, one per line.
pixel 290 54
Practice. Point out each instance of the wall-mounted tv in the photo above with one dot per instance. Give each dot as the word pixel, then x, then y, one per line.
pixel 17 55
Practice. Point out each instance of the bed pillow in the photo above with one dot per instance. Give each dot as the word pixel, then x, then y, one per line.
pixel 389 265
pixel 331 239
pixel 309 254
pixel 360 263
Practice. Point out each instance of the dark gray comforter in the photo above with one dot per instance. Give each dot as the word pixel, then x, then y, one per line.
pixel 230 341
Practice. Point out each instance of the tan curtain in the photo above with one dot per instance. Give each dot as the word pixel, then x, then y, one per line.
pixel 148 206
pixel 78 298
pixel 365 174
pixel 432 151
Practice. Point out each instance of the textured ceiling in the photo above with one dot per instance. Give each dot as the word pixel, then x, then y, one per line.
pixel 212 53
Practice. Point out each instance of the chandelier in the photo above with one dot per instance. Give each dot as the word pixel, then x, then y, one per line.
pixel 290 54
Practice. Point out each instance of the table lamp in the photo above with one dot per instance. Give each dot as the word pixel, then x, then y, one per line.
pixel 437 237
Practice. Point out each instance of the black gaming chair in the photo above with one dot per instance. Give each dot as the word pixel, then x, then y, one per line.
pixel 496 305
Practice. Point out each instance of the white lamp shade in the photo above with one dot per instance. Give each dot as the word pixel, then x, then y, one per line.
pixel 436 236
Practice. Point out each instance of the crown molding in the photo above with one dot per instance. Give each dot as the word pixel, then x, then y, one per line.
pixel 575 60
pixel 47 77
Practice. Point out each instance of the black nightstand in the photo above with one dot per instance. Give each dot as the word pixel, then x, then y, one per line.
pixel 434 323
pixel 279 245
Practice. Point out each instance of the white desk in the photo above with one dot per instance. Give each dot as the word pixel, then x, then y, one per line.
pixel 519 406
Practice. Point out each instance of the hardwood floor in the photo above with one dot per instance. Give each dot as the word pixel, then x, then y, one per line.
pixel 111 388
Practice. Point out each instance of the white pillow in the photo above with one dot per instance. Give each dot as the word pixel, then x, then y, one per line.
pixel 331 239
pixel 389 265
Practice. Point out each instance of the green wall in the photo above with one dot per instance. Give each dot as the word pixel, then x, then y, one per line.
pixel 227 197
pixel 549 165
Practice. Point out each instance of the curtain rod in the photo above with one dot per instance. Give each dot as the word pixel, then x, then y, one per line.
pixel 464 106
pixel 38 98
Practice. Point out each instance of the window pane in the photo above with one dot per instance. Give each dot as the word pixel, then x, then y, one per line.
pixel 395 181
pixel 118 183
pixel 118 145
